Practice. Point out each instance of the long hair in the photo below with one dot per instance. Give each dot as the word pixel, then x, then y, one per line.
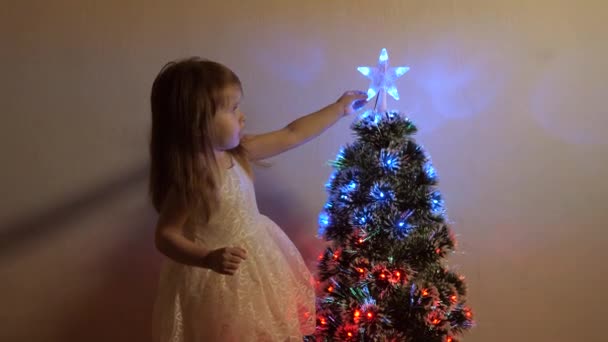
pixel 185 97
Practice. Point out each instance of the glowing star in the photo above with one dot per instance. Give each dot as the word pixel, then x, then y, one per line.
pixel 383 79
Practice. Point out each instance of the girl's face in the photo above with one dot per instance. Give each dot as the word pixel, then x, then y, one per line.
pixel 229 121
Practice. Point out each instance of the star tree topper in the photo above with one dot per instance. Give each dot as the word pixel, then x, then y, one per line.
pixel 382 80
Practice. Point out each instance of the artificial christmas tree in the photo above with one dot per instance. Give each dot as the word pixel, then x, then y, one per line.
pixel 383 276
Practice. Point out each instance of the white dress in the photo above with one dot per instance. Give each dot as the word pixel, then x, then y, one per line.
pixel 269 298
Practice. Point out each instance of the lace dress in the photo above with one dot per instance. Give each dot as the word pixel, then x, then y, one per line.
pixel 269 298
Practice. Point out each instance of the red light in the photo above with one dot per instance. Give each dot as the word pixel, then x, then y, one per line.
pixel 370 315
pixel 330 289
pixel 357 313
pixel 323 321
pixel 425 293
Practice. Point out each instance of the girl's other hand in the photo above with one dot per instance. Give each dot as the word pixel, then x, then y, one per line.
pixel 225 260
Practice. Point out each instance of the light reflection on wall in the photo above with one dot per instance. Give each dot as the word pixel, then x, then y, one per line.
pixel 288 57
pixel 569 98
pixel 461 82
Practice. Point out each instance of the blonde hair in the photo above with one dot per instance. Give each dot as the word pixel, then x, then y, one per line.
pixel 185 97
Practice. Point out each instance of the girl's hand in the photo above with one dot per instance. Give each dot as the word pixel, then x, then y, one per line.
pixel 352 101
pixel 225 260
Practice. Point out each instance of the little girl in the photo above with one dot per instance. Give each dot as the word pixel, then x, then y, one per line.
pixel 231 274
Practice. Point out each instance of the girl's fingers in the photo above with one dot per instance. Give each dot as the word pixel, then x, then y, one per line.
pixel 231 266
pixel 234 259
pixel 356 92
pixel 240 252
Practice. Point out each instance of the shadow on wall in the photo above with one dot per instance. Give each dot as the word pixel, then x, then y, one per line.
pixel 113 296
pixel 289 213
pixel 121 307
pixel 114 301
pixel 39 226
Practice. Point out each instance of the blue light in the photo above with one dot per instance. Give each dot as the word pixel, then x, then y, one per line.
pixel 364 70
pixel 430 171
pixel 368 300
pixel 330 180
pixel 371 93
pixel 389 160
pixel 392 91
pixel 437 205
pixel 365 115
pixel 383 55
pixel 403 228
pixel 324 219
pixel 361 216
pixel 382 77
pixel 377 119
pixel 340 154
pixel 400 71
pixel 345 191
pixel 381 193
pixel 368 114
pixel 352 185
pixel 323 223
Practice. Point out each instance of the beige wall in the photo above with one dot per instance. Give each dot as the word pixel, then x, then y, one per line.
pixel 508 96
